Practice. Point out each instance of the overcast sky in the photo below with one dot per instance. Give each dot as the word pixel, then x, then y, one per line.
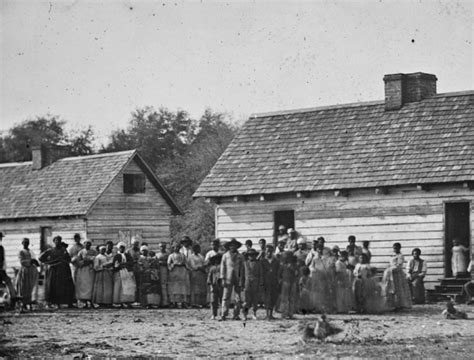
pixel 94 62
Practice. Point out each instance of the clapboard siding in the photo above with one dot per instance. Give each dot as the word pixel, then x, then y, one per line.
pixel 412 217
pixel 116 213
pixel 17 230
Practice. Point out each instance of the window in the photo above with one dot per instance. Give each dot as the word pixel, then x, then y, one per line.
pixel 133 183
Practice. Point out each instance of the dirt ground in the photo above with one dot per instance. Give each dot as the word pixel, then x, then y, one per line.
pixel 188 333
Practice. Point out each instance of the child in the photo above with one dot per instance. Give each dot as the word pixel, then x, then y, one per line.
pixel 288 275
pixel 253 282
pixel 270 281
pixel 452 313
pixel 215 283
pixel 304 304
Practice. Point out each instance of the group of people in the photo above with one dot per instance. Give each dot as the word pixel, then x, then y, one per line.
pixel 288 278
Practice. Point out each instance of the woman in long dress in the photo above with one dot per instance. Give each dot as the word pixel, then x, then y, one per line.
pixel 85 274
pixel 368 293
pixel 27 276
pixel 459 259
pixel 322 291
pixel 178 281
pixel 149 278
pixel 198 277
pixel 344 277
pixel 397 289
pixel 59 288
pixel 124 280
pixel 162 258
pixel 102 293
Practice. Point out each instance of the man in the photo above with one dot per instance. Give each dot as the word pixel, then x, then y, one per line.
pixel 301 253
pixel 469 286
pixel 416 270
pixel 248 246
pixel 271 286
pixel 232 275
pixel 326 250
pixel 292 240
pixel 353 250
pixel 261 254
pixel 3 272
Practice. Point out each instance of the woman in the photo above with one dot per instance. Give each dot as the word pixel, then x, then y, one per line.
pixel 102 293
pixel 27 276
pixel 367 291
pixel 149 279
pixel 85 274
pixel 197 277
pixel 59 288
pixel 344 301
pixel 416 270
pixel 322 289
pixel 178 283
pixel 124 281
pixel 395 280
pixel 162 258
pixel 459 259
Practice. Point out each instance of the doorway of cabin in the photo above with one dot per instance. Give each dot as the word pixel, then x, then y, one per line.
pixel 285 218
pixel 456 226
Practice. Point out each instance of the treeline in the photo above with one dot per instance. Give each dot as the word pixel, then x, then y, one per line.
pixel 181 150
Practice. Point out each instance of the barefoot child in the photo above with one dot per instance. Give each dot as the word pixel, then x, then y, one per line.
pixel 215 283
pixel 253 282
pixel 289 285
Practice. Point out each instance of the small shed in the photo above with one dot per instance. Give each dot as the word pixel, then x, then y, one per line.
pixel 111 196
pixel 397 170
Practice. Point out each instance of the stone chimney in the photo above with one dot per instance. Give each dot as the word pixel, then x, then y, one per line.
pixel 44 155
pixel 402 89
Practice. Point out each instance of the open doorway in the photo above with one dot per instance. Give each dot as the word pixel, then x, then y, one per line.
pixel 282 217
pixel 456 226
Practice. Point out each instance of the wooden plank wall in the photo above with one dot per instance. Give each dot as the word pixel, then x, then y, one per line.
pixel 118 216
pixel 406 215
pixel 17 230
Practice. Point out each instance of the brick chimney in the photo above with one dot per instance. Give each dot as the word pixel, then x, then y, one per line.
pixel 44 155
pixel 402 89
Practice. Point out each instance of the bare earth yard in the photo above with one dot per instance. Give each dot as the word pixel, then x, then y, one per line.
pixel 139 333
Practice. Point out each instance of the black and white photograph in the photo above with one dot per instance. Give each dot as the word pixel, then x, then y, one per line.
pixel 236 179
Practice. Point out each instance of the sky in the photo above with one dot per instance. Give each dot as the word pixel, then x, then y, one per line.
pixel 94 62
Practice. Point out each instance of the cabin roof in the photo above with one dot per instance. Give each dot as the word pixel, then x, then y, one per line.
pixel 67 187
pixel 349 146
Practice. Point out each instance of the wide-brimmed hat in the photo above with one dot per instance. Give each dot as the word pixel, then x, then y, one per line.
pixel 234 242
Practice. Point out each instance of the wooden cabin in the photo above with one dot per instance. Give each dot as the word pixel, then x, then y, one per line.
pixel 397 170
pixel 112 196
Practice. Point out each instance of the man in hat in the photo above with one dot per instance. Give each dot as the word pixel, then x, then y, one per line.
pixel 3 271
pixel 232 275
pixel 292 240
pixel 253 283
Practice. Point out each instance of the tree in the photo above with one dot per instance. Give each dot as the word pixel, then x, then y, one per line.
pixel 48 129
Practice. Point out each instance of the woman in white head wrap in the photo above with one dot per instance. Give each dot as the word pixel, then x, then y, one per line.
pixel 124 280
pixel 102 293
pixel 85 274
pixel 150 287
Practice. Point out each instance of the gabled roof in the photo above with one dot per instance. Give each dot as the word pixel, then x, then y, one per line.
pixel 67 187
pixel 349 146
